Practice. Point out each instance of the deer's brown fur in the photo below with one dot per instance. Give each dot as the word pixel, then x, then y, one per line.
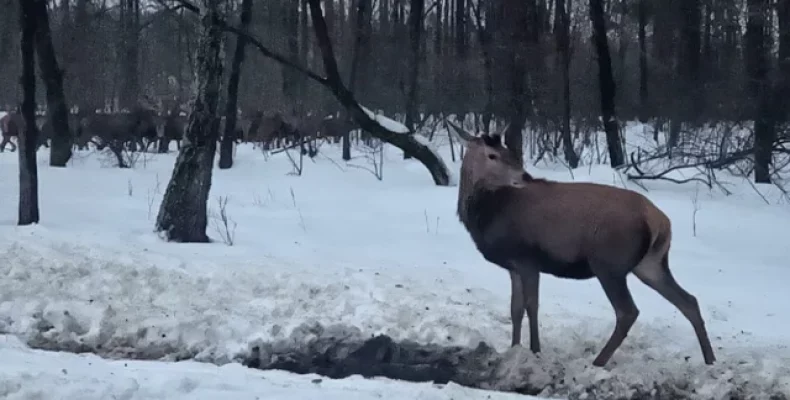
pixel 570 230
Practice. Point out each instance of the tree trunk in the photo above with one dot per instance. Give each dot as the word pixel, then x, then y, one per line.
pixel 460 28
pixel 130 31
pixel 28 135
pixel 757 65
pixel 563 48
pixel 691 89
pixel 415 33
pixel 52 75
pixel 783 84
pixel 229 136
pixel 606 84
pixel 360 39
pixel 516 14
pixel 644 112
pixel 404 141
pixel 183 213
pixel 484 34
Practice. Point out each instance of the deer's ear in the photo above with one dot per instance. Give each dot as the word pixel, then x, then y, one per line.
pixel 494 140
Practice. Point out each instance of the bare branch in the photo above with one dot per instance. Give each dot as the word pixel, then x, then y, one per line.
pixel 271 54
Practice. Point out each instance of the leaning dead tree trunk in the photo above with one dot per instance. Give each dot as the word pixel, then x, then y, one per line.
pixel 228 137
pixel 404 141
pixel 183 213
pixel 28 135
pixel 52 75
pixel 606 82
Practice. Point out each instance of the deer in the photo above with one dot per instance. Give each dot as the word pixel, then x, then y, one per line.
pixel 10 125
pixel 573 230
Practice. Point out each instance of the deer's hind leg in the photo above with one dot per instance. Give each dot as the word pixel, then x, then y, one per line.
pixel 656 274
pixel 616 288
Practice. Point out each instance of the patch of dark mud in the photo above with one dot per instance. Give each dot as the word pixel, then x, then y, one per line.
pixel 339 351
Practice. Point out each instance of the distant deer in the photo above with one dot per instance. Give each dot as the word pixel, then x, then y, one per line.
pixel 10 125
pixel 528 225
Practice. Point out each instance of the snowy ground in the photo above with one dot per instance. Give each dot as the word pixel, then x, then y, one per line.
pixel 35 374
pixel 338 249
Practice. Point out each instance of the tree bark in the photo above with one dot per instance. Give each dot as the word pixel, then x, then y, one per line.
pixel 28 135
pixel 606 84
pixel 52 75
pixel 183 213
pixel 228 137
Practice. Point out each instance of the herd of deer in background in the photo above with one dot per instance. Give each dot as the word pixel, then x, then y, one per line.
pixel 142 128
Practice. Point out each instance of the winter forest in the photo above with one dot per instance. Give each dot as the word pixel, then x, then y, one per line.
pixel 271 199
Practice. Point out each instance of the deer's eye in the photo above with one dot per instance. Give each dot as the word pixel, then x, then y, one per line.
pixel 492 156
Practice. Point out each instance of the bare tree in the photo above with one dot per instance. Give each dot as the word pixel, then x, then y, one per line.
pixel 28 136
pixel 183 215
pixel 606 84
pixel 51 74
pixel 231 103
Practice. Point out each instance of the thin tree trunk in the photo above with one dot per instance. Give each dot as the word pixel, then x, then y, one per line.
pixel 644 113
pixel 606 84
pixel 415 33
pixel 759 88
pixel 28 135
pixel 229 136
pixel 360 39
pixel 564 50
pixel 484 35
pixel 52 75
pixel 130 21
pixel 183 215
pixel 783 84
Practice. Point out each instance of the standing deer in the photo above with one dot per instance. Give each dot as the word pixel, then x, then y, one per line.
pixel 10 125
pixel 530 226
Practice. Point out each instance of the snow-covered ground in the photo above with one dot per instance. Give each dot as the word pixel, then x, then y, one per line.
pixel 336 248
pixel 35 374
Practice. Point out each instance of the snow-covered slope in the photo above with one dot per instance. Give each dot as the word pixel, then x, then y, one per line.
pixel 339 249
